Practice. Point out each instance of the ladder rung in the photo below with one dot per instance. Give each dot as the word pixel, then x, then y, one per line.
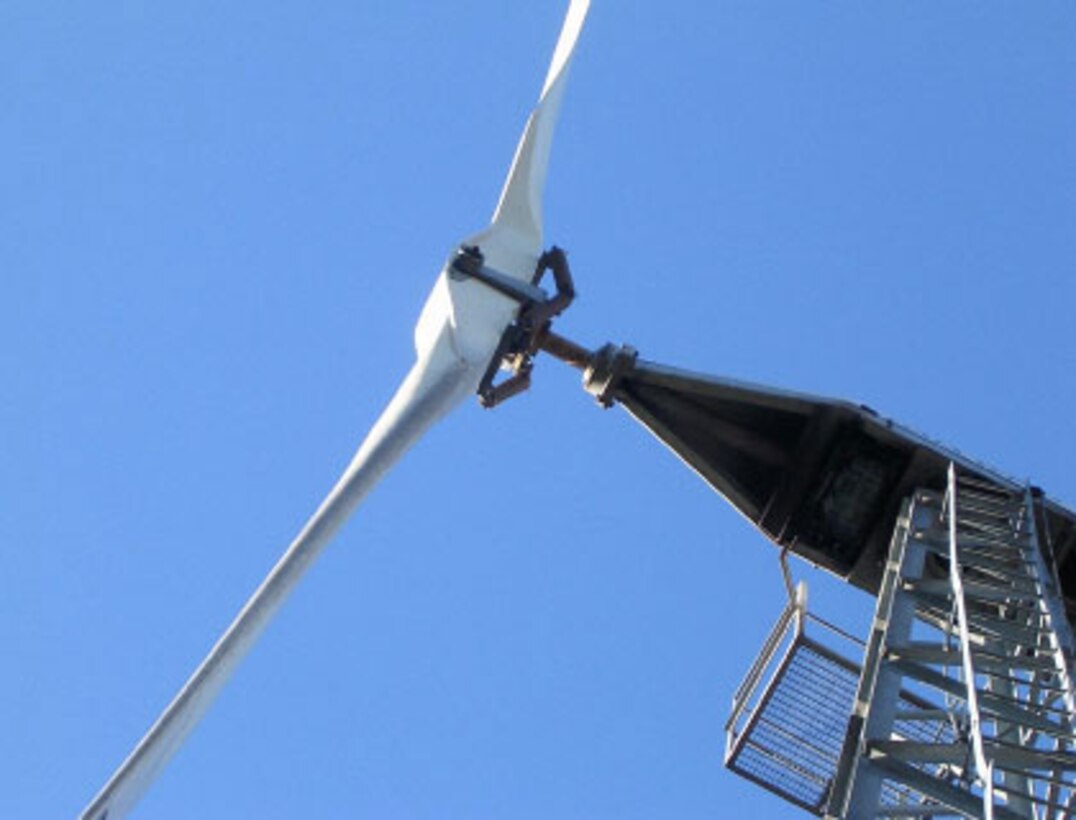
pixel 1003 514
pixel 1008 631
pixel 986 662
pixel 976 591
pixel 956 753
pixel 981 625
pixel 1000 549
pixel 983 485
pixel 1020 586
pixel 1019 583
pixel 993 546
pixel 1015 712
pixel 929 715
pixel 1031 709
pixel 1015 571
pixel 1009 563
pixel 967 496
pixel 903 811
pixel 973 591
pixel 973 527
pixel 948 796
pixel 970 497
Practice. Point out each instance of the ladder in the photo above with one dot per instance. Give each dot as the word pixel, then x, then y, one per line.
pixel 970 618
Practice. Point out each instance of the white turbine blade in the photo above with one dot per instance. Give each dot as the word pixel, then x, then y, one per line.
pixel 436 384
pixel 512 242
pixel 520 207
pixel 456 337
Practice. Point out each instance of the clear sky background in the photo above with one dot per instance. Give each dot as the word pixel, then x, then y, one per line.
pixel 218 223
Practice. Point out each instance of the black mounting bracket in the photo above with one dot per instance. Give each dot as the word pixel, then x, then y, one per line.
pixel 526 335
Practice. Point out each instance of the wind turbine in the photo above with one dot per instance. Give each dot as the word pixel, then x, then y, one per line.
pixel 461 337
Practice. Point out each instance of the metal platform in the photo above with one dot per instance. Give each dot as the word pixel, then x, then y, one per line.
pixel 789 717
pixel 790 714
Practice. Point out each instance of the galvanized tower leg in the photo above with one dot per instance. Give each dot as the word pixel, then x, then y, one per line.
pixel 987 663
pixel 858 783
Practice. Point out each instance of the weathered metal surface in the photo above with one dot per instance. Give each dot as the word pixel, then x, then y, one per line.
pixel 819 476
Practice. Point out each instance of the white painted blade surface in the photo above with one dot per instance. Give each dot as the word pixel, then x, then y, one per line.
pixel 437 383
pixel 520 207
pixel 513 241
pixel 457 335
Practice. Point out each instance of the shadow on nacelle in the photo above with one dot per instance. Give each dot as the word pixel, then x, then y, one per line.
pixel 824 478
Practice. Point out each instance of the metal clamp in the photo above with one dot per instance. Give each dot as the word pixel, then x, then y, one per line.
pixel 605 370
pixel 524 337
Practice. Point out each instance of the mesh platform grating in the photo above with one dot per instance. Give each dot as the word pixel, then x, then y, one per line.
pixel 788 728
pixel 792 741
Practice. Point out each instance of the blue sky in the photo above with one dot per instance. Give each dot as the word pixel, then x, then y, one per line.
pixel 219 225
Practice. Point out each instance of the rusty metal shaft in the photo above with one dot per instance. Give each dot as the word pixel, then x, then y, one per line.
pixel 565 349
